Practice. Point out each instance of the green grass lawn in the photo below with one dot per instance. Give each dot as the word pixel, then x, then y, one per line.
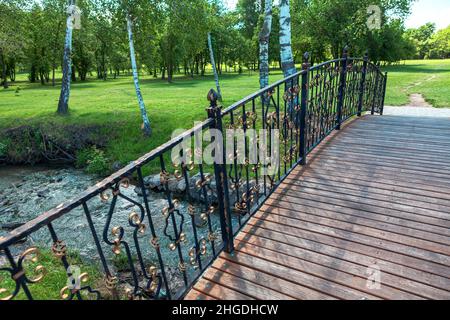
pixel 112 103
pixel 431 78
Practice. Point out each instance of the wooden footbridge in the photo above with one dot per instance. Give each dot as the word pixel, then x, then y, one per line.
pixel 367 218
pixel 357 207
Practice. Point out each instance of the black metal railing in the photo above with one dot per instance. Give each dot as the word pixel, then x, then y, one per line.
pixel 143 250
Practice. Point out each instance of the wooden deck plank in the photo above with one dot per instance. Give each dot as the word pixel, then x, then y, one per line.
pixel 375 193
pixel 426 209
pixel 197 295
pixel 218 291
pixel 267 279
pixel 244 286
pixel 355 183
pixel 262 237
pixel 300 277
pixel 388 231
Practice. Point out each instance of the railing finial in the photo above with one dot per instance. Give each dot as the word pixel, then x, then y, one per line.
pixel 213 97
pixel 305 64
pixel 345 53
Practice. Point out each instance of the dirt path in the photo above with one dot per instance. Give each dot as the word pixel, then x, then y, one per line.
pixel 417 100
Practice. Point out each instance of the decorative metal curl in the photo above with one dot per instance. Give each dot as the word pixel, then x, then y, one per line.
pixel 59 249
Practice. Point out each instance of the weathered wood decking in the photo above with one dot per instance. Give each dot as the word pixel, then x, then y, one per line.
pixel 377 194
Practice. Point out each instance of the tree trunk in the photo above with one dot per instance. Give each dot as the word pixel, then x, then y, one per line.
pixel 4 76
pixel 287 60
pixel 213 63
pixel 169 72
pixel 264 37
pixel 63 105
pixel 146 123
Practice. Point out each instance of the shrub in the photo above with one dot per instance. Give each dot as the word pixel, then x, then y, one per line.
pixel 93 160
pixel 3 149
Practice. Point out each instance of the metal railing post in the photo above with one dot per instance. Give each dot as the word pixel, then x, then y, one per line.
pixel 215 112
pixel 362 84
pixel 342 84
pixel 303 107
pixel 384 93
pixel 372 112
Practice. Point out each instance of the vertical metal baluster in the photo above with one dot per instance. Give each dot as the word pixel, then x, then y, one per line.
pixel 127 249
pixel 247 159
pixel 284 124
pixel 194 227
pixel 152 230
pixel 296 121
pixel 174 222
pixel 237 176
pixel 342 86
pixel 310 110
pixel 316 135
pixel 384 93
pixel 63 258
pixel 290 122
pixel 98 245
pixel 205 195
pixel 264 120
pixel 336 95
pixel 327 85
pixel 255 117
pixel 278 124
pixel 215 113
pixel 303 107
pixel 323 103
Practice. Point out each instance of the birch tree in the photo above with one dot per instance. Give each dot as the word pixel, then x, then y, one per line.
pixel 264 38
pixel 213 63
pixel 145 121
pixel 287 58
pixel 63 105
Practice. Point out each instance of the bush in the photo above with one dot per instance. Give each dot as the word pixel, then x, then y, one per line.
pixel 93 160
pixel 3 149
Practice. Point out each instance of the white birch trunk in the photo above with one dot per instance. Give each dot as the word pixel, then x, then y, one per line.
pixel 145 121
pixel 213 63
pixel 63 104
pixel 264 38
pixel 287 59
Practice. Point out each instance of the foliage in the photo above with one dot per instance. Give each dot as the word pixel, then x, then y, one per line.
pixel 3 148
pixel 171 36
pixel 440 44
pixel 93 160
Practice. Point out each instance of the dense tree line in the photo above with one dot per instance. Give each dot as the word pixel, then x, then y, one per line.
pixel 170 36
pixel 428 43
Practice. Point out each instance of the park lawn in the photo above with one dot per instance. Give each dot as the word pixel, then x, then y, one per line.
pixel 431 78
pixel 113 103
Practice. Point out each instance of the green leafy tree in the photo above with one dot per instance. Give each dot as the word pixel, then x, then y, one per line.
pixel 440 44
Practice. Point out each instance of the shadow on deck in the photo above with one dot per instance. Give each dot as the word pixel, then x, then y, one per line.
pixel 367 218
